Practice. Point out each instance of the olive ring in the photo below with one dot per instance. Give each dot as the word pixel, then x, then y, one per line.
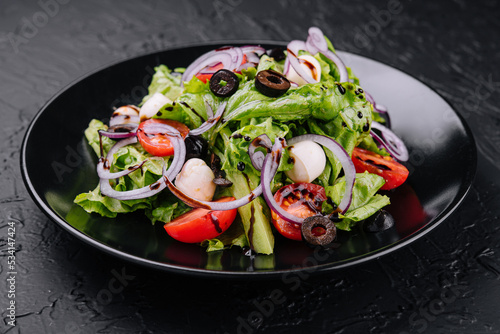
pixel 324 224
pixel 271 83
pixel 230 85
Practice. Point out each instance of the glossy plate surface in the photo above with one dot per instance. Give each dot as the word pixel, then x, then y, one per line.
pixel 57 164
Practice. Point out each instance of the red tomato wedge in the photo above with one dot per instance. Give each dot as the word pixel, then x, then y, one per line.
pixel 201 224
pixel 159 145
pixel 392 171
pixel 206 74
pixel 301 200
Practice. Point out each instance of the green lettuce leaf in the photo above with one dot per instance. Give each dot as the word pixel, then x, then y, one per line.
pixel 165 83
pixel 237 144
pixel 365 200
pixel 93 201
pixel 158 208
pixel 234 236
pixel 92 135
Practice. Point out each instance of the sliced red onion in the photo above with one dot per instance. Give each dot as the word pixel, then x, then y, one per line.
pixel 145 192
pixel 208 108
pixel 378 108
pixel 390 141
pixel 120 131
pixel 316 43
pixel 295 63
pixel 216 206
pixel 177 142
pixel 211 121
pixel 209 71
pixel 246 66
pixel 124 119
pixel 257 49
pixel 286 66
pixel 105 163
pixel 257 157
pixel 269 168
pixel 237 57
pixel 343 74
pixel 252 54
pixel 230 57
pixel 161 129
pixel 295 46
pixel 344 159
pixel 160 184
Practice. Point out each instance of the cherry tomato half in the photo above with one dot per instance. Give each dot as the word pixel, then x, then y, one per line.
pixel 201 224
pixel 392 171
pixel 205 74
pixel 301 200
pixel 159 145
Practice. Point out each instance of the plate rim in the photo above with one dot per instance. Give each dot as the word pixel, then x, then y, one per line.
pixel 463 191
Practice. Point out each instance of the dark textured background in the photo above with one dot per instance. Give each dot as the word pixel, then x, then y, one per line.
pixel 446 282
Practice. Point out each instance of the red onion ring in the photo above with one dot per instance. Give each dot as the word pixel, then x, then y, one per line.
pixel 230 57
pixel 105 162
pixel 343 74
pixel 211 121
pixel 176 140
pixel 390 141
pixel 145 192
pixel 345 160
pixel 295 46
pixel 210 111
pixel 156 187
pixel 124 119
pixel 378 108
pixel 252 54
pixel 269 168
pixel 216 206
pixel 292 58
pixel 120 134
pixel 295 63
pixel 257 49
pixel 257 157
pixel 316 43
pixel 247 65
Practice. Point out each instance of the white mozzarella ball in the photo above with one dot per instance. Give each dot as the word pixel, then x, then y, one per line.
pixel 196 180
pixel 309 161
pixel 153 105
pixel 310 65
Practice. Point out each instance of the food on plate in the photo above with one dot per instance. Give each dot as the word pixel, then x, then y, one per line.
pixel 247 144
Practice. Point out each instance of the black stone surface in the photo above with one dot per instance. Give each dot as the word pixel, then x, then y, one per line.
pixel 447 282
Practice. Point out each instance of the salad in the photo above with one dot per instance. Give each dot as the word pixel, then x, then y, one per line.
pixel 246 144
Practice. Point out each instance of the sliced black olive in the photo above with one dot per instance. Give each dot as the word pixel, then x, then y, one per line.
pixel 380 221
pixel 277 53
pixel 224 83
pixel 318 231
pixel 196 147
pixel 222 182
pixel 271 83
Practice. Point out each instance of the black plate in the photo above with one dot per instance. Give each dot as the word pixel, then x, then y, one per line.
pixel 57 164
